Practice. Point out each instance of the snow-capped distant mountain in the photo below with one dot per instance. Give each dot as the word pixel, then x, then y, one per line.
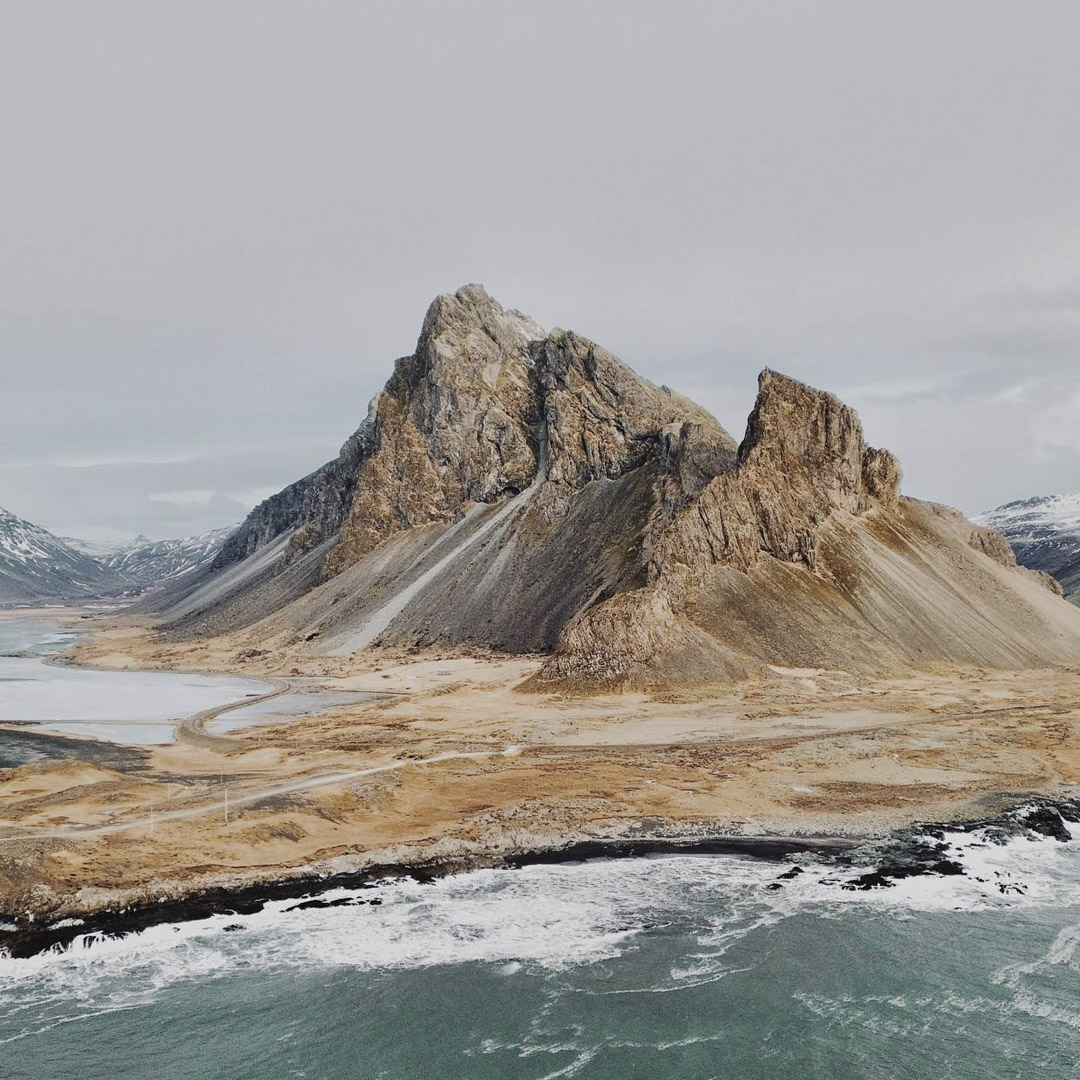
pixel 96 549
pixel 1045 534
pixel 1044 531
pixel 152 562
pixel 35 566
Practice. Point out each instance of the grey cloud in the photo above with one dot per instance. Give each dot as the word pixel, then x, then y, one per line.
pixel 220 223
pixel 161 500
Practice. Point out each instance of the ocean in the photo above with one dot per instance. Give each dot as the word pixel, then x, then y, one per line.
pixel 684 966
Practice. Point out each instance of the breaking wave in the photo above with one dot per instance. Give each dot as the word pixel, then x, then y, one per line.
pixel 549 918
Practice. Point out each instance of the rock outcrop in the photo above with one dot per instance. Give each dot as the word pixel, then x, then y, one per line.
pixel 486 404
pixel 526 491
pixel 803 459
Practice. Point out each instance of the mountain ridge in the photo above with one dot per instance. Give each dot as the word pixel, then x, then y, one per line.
pixel 144 561
pixel 38 566
pixel 527 492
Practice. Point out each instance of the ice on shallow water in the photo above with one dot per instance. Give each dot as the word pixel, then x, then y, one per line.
pixel 286 707
pixel 136 707
pixel 33 635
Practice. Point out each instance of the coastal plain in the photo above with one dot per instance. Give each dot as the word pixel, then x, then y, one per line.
pixel 454 758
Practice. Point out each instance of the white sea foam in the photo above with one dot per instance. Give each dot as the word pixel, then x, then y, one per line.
pixel 546 917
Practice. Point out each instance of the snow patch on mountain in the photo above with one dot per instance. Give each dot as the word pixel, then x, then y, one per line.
pixel 1044 531
pixel 37 566
pixel 152 562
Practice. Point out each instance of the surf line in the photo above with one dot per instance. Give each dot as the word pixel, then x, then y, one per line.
pixel 382 617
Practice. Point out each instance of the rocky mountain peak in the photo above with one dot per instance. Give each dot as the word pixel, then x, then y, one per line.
pixel 797 429
pixel 456 424
pixel 525 490
pixel 602 420
pixel 469 327
pixel 488 405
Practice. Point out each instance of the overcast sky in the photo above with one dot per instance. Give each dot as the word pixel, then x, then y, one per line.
pixel 221 222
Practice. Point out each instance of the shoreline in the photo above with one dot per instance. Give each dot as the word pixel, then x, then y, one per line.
pixel 452 769
pixel 907 852
pixel 32 937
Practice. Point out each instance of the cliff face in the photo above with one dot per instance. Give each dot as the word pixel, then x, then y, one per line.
pixel 524 490
pixel 803 459
pixel 314 507
pixel 452 426
pixel 456 424
pixel 486 406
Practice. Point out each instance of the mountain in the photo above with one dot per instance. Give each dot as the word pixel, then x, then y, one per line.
pixel 525 491
pixel 1044 531
pixel 96 549
pixel 154 562
pixel 37 566
pixel 1068 577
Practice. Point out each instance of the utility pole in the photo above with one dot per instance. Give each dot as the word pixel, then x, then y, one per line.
pixel 151 818
pixel 226 806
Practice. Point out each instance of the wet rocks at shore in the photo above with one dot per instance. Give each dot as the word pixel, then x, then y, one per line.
pixel 855 866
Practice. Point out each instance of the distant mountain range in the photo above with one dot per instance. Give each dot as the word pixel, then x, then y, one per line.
pixel 153 562
pixel 1044 531
pixel 37 566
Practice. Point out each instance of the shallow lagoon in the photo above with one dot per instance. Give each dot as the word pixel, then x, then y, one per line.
pixel 132 707
pixel 288 707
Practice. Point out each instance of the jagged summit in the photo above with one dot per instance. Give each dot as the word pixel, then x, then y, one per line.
pixel 485 403
pixel 524 490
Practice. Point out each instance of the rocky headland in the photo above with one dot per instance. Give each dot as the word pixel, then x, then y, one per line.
pixel 526 492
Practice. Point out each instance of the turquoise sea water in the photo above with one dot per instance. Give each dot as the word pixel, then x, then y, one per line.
pixel 680 966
